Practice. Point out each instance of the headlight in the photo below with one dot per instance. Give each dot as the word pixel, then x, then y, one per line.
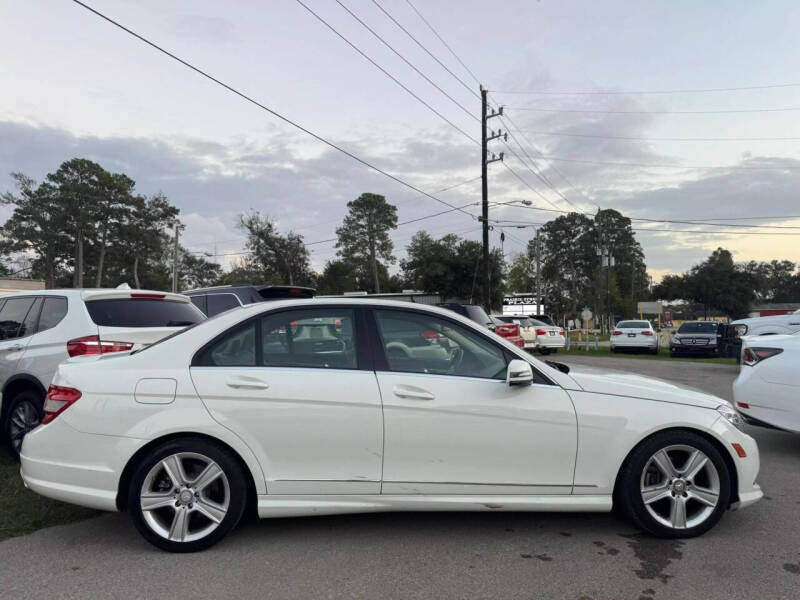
pixel 731 415
pixel 740 330
pixel 676 341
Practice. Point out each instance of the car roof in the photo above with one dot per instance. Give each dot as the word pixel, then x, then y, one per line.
pixel 96 293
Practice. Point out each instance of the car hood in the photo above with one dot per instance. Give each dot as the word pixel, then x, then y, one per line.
pixel 618 383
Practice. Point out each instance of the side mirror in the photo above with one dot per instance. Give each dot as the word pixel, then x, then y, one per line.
pixel 519 372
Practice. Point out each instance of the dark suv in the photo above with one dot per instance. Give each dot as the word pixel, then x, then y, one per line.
pixel 472 311
pixel 217 299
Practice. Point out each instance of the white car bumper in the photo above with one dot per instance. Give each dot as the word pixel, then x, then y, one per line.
pixel 62 463
pixel 551 341
pixel 764 403
pixel 623 341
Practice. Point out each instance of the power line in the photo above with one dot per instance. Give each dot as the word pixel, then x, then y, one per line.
pixel 385 72
pixel 416 41
pixel 660 166
pixel 654 112
pixel 664 139
pixel 441 39
pixel 403 58
pixel 636 92
pixel 522 224
pixel 263 107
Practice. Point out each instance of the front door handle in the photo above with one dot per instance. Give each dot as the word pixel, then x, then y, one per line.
pixel 413 393
pixel 247 383
pixel 15 348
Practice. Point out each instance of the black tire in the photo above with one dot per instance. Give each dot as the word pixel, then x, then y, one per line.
pixel 654 351
pixel 629 496
pixel 544 351
pixel 232 470
pixel 27 402
pixel 613 350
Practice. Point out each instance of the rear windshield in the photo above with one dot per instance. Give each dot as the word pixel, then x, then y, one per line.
pixel 477 314
pixel 143 312
pixel 633 325
pixel 698 328
pixel 537 323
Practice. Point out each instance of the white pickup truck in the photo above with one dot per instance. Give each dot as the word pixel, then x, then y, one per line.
pixel 768 325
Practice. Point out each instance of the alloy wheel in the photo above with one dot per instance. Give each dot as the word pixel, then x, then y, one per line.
pixel 23 419
pixel 680 486
pixel 184 497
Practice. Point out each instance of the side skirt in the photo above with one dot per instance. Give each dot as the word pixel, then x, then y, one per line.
pixel 270 506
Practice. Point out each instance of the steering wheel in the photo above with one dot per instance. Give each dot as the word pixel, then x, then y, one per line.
pixel 455 358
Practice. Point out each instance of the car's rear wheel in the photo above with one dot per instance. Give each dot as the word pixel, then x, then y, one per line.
pixel 24 414
pixel 187 494
pixel 675 485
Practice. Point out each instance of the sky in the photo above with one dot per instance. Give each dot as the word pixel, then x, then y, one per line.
pixel 75 85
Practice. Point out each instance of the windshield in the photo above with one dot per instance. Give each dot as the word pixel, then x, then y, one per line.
pixel 698 327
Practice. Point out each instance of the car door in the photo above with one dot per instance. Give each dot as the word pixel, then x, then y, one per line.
pixel 15 332
pixel 48 347
pixel 299 388
pixel 453 426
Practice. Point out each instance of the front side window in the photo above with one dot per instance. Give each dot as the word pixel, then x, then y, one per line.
pixel 12 316
pixel 421 343
pixel 317 338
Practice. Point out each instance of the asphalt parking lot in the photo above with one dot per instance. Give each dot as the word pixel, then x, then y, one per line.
pixel 751 554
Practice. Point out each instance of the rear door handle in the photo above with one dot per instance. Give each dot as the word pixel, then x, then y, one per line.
pixel 15 348
pixel 412 393
pixel 248 383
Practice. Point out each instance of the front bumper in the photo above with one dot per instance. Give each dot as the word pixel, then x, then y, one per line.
pixel 748 491
pixel 694 349
pixel 64 464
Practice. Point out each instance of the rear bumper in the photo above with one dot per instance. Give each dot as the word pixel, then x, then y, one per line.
pixel 548 342
pixel 64 464
pixel 626 342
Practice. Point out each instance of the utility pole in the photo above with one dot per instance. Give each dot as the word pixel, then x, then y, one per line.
pixel 175 261
pixel 485 161
pixel 537 250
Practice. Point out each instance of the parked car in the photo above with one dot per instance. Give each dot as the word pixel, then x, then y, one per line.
pixel 697 338
pixel 40 329
pixel 768 325
pixel 509 331
pixel 634 335
pixel 526 328
pixel 549 338
pixel 767 390
pixel 472 312
pixel 186 433
pixel 546 319
pixel 217 299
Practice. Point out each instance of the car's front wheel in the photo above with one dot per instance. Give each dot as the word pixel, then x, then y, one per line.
pixel 675 484
pixel 187 494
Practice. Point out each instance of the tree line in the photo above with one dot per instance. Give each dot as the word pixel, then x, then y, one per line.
pixel 719 283
pixel 84 226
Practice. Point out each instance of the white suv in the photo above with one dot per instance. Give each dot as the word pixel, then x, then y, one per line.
pixel 40 329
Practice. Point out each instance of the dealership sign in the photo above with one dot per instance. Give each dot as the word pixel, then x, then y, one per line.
pixel 522 304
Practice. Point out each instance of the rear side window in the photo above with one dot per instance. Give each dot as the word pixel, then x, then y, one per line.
pixel 12 315
pixel 234 349
pixel 31 319
pixel 319 338
pixel 143 312
pixel 199 302
pixel 53 311
pixel 218 303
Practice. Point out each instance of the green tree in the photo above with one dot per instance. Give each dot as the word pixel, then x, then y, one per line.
pixel 80 185
pixel 144 241
pixel 36 226
pixel 196 271
pixel 277 258
pixel 717 282
pixel 364 235
pixel 112 210
pixel 337 277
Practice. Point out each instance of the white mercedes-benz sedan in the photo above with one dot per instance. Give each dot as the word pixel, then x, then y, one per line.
pixel 323 406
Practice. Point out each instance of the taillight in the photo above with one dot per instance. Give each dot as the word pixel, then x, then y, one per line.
pixel 751 356
pixel 58 399
pixel 541 332
pixel 617 332
pixel 647 332
pixel 92 344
